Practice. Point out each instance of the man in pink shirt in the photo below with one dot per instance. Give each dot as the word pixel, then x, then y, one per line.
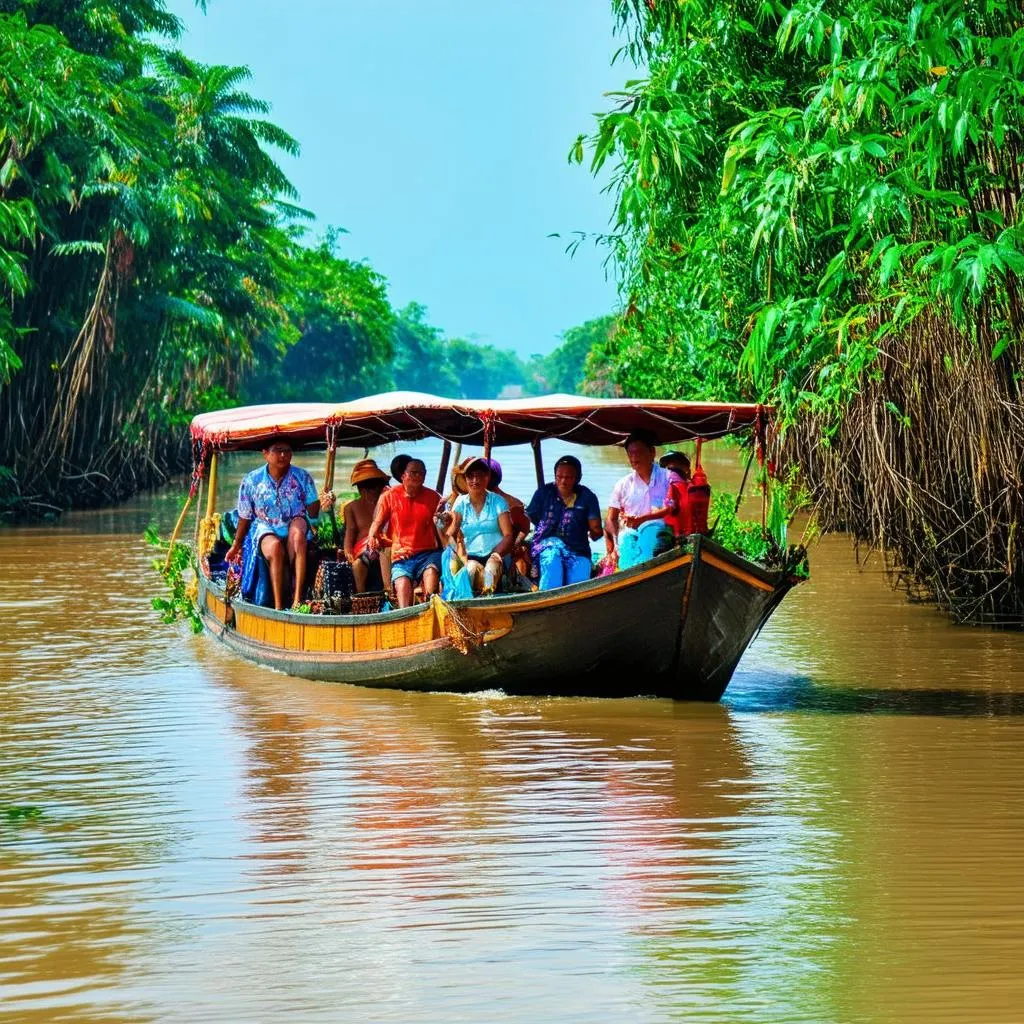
pixel 635 527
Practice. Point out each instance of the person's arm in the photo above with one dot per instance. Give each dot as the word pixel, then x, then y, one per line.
pixel 234 553
pixel 656 513
pixel 611 527
pixel 508 537
pixel 454 531
pixel 380 516
pixel 349 519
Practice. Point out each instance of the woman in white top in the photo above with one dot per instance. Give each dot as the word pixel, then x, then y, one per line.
pixel 481 529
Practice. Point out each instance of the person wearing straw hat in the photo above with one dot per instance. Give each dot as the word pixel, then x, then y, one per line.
pixel 369 480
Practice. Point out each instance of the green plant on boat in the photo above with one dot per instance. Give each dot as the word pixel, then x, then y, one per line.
pixel 768 545
pixel 330 530
pixel 182 584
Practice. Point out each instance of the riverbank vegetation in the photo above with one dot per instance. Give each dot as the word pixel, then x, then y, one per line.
pixel 818 206
pixel 154 263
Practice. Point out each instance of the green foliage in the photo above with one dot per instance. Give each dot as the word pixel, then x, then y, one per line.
pixel 344 327
pixel 796 181
pixel 745 537
pixel 179 576
pixel 567 369
pixel 421 361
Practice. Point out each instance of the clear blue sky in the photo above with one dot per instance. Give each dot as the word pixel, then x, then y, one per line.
pixel 436 133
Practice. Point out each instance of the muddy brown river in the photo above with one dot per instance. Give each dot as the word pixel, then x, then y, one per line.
pixel 203 840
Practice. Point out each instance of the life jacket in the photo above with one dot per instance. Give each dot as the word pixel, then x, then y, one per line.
pixel 699 495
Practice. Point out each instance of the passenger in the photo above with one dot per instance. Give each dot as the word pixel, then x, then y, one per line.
pixel 415 552
pixel 566 516
pixel 520 520
pixel 397 467
pixel 521 559
pixel 481 529
pixel 444 509
pixel 282 500
pixel 635 528
pixel 678 518
pixel 369 480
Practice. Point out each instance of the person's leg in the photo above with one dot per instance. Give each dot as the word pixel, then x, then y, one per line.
pixel 273 550
pixel 577 568
pixel 493 569
pixel 552 571
pixel 431 580
pixel 630 553
pixel 403 591
pixel 297 556
pixel 401 582
pixel 655 537
pixel 360 570
pixel 475 572
pixel 385 568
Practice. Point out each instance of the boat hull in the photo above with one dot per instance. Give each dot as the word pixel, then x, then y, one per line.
pixel 675 626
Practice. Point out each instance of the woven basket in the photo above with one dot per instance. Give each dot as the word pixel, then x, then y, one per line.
pixel 333 579
pixel 367 604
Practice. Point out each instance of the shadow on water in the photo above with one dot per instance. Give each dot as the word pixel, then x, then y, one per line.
pixel 767 692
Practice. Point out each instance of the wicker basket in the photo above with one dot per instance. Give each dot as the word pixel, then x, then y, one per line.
pixel 333 580
pixel 367 604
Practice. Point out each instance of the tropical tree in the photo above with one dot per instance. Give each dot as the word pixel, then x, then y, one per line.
pixel 817 206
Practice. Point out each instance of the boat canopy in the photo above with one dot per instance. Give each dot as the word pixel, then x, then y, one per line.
pixel 410 415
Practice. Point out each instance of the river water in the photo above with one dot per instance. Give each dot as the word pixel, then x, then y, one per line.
pixel 839 840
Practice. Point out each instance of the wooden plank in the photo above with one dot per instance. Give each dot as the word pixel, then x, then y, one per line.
pixel 318 638
pixel 366 638
pixel 343 639
pixel 292 636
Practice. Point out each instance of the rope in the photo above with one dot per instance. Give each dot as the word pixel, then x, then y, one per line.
pixel 455 627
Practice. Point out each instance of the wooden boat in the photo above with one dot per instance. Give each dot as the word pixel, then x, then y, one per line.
pixel 674 626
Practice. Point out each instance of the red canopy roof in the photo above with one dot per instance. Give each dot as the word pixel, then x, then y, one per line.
pixel 410 415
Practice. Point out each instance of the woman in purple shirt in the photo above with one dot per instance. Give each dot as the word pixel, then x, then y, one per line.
pixel 566 516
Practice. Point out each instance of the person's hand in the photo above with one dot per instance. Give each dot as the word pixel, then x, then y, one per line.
pixel 233 553
pixel 372 542
pixel 326 500
pixel 632 522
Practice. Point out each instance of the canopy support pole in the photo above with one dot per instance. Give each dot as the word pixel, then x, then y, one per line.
pixel 538 462
pixel 329 468
pixel 177 530
pixel 211 497
pixel 442 472
pixel 199 515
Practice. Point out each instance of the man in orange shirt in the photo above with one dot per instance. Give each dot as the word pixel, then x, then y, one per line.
pixel 415 546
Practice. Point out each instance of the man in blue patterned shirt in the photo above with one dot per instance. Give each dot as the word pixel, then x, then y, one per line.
pixel 282 501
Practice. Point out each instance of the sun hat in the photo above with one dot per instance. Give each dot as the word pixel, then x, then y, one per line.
pixel 366 470
pixel 459 474
pixel 478 462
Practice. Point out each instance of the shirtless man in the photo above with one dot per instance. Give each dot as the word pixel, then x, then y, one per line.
pixel 370 480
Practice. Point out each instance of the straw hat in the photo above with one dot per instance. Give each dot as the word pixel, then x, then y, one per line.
pixel 366 470
pixel 459 474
